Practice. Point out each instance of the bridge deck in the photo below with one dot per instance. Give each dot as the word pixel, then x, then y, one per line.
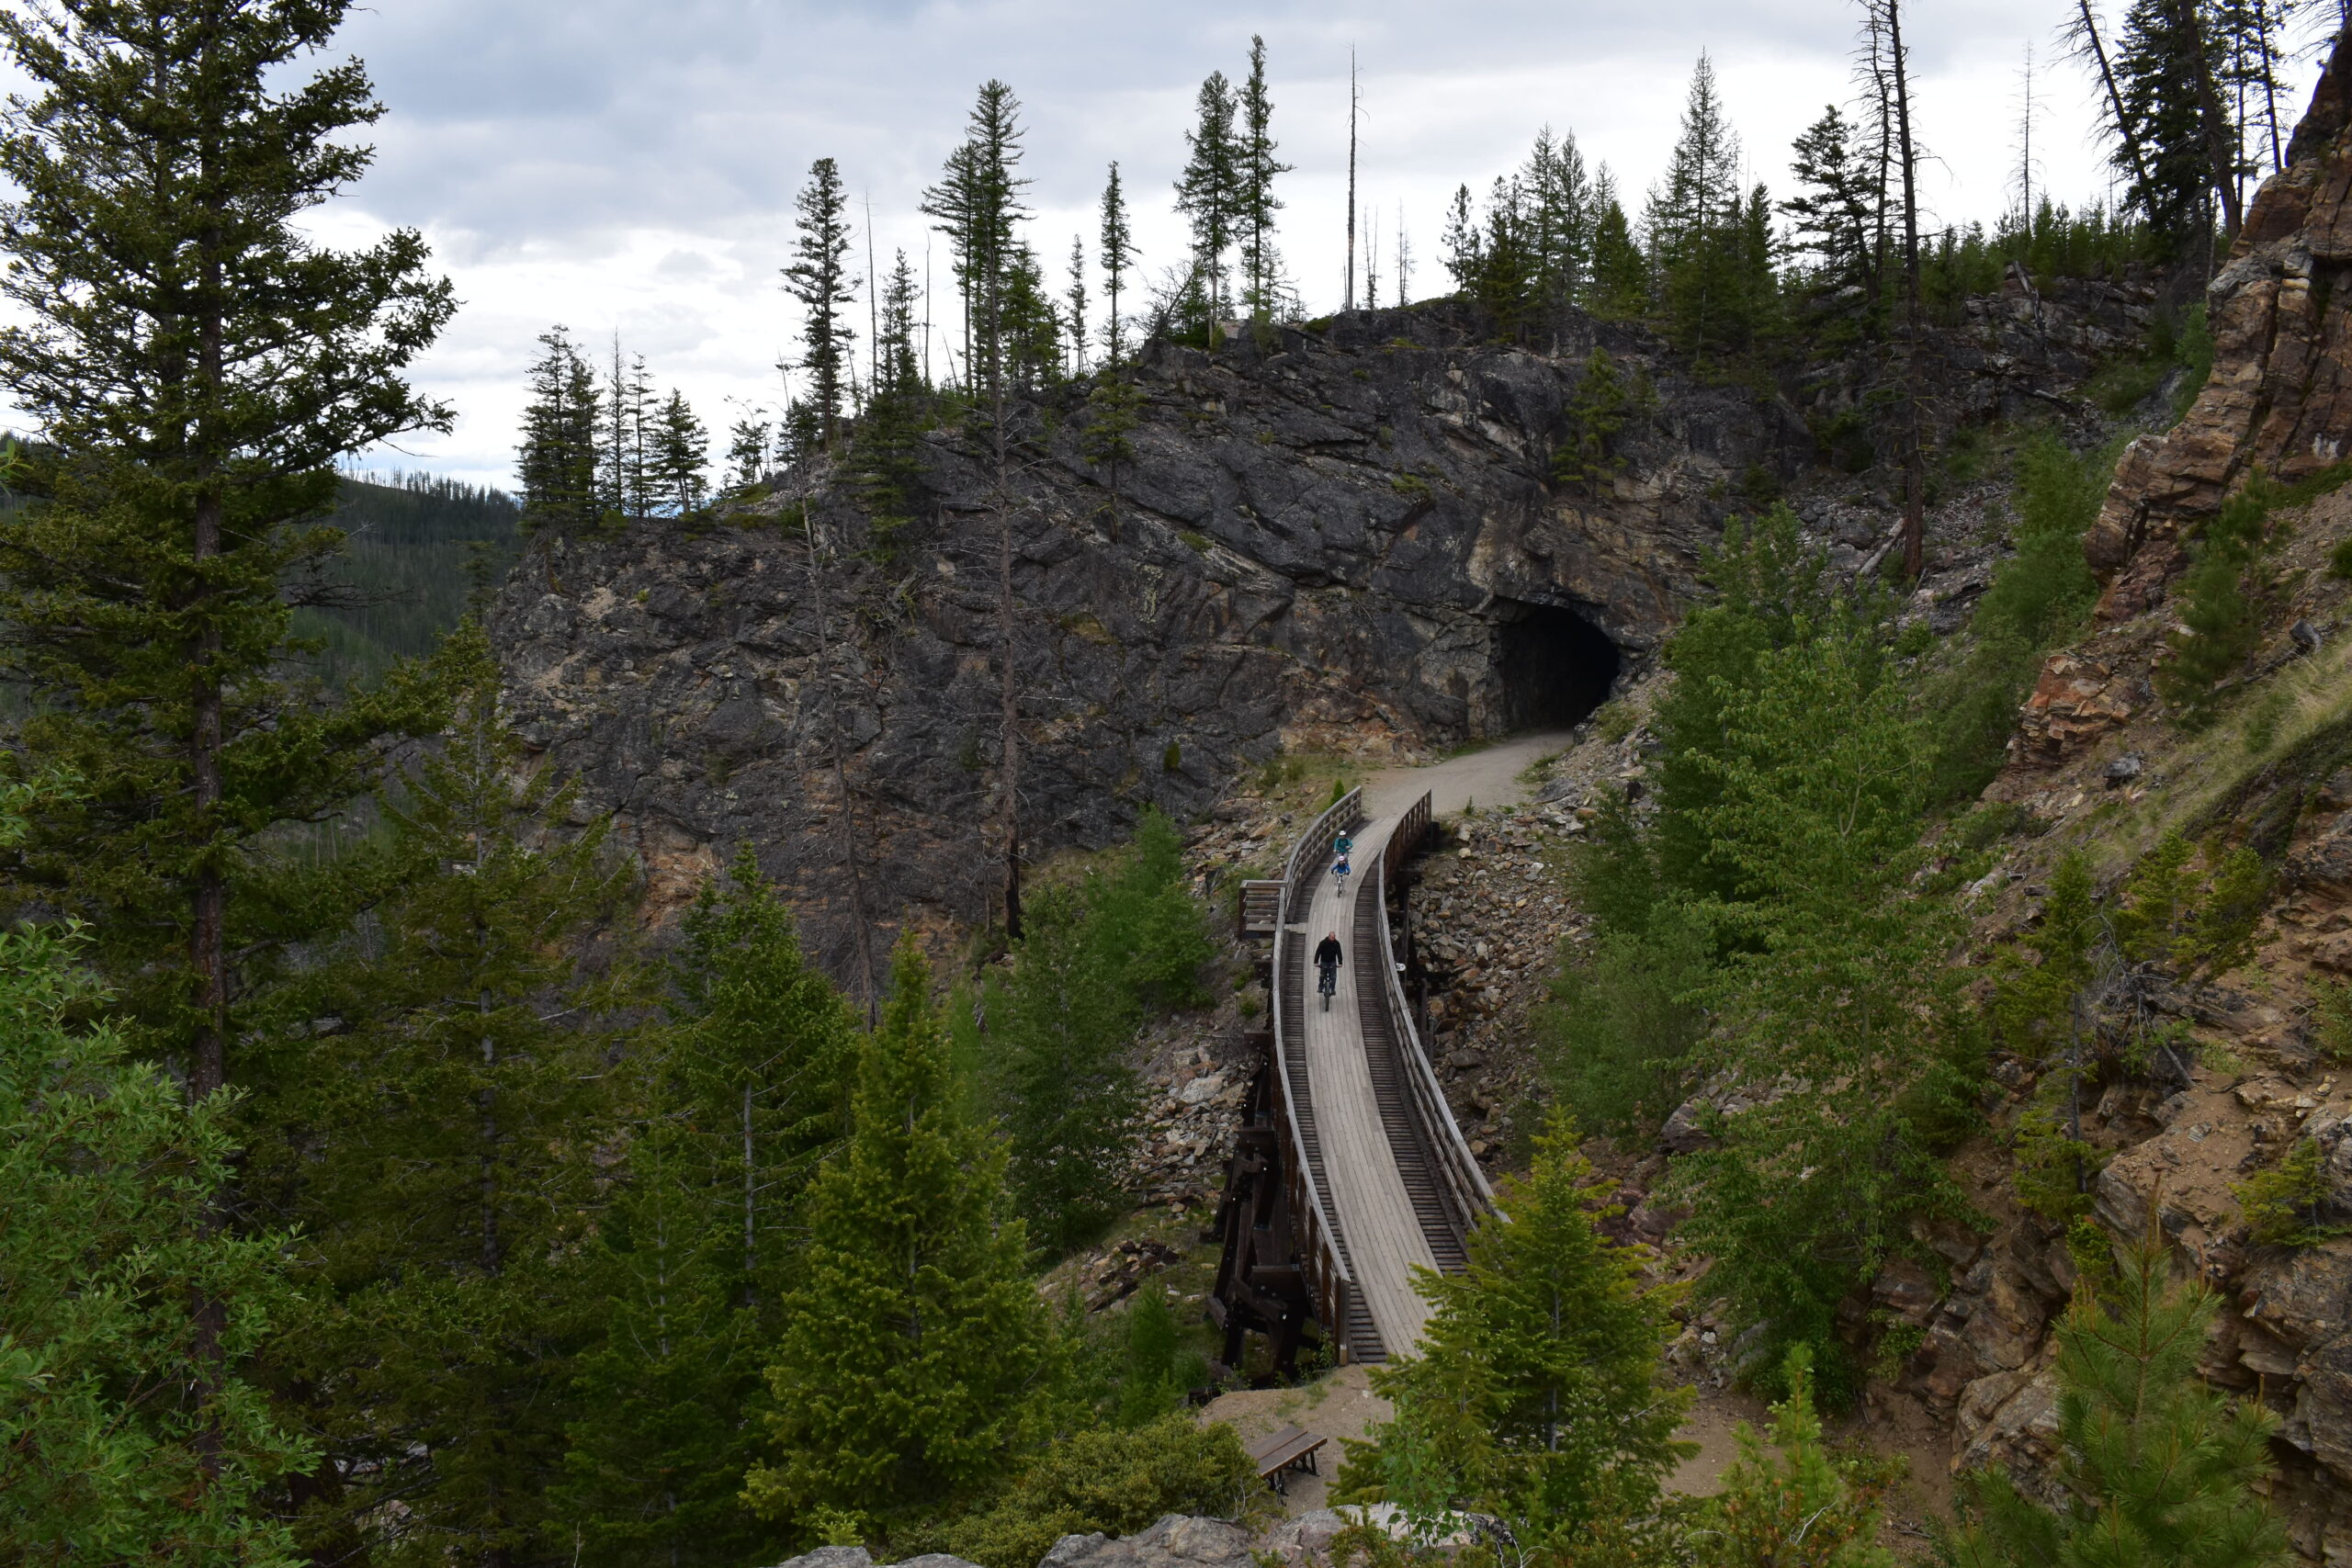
pixel 1380 1185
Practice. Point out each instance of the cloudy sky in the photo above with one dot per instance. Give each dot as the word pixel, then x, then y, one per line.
pixel 630 168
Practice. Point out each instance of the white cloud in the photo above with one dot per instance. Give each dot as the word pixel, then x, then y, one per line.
pixel 631 168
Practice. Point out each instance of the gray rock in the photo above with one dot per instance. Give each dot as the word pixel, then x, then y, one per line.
pixel 1335 538
pixel 832 1557
pixel 1178 1541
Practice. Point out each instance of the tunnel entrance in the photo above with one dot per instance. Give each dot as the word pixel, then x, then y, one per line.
pixel 1552 665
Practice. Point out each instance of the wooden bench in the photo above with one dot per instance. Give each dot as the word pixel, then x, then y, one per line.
pixel 1291 1448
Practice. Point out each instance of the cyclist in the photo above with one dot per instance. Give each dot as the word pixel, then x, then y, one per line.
pixel 1339 874
pixel 1326 962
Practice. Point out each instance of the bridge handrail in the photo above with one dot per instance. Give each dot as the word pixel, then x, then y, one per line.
pixel 1340 816
pixel 1467 1184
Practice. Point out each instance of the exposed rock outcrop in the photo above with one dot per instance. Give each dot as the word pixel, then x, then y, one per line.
pixel 1178 1541
pixel 2281 394
pixel 1343 540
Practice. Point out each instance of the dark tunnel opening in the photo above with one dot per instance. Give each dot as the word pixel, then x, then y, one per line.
pixel 1554 667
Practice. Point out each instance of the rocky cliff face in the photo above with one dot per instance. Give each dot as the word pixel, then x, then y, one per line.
pixel 1342 539
pixel 2257 1066
pixel 2280 395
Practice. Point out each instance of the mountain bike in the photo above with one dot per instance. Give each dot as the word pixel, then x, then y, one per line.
pixel 1328 983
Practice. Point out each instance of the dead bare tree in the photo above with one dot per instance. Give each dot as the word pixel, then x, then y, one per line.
pixel 819 571
pixel 1885 70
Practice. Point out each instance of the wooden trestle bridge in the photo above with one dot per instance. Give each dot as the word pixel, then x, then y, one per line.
pixel 1350 1170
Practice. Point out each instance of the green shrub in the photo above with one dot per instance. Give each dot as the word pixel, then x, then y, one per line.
pixel 2038 598
pixel 1113 1481
pixel 1617 1040
pixel 2332 1018
pixel 2219 598
pixel 2339 561
pixel 2284 1205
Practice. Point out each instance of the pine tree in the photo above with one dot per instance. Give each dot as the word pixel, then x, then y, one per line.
pixel 557 459
pixel 2159 1470
pixel 677 470
pixel 1693 225
pixel 196 362
pixel 1074 297
pixel 1536 1387
pixel 1462 242
pixel 436 1141
pixel 977 205
pixel 747 454
pixel 1832 213
pixel 1560 220
pixel 763 1050
pixel 124 1437
pixel 1059 1031
pixel 1032 331
pixel 1209 191
pixel 737 1100
pixel 1116 255
pixel 886 460
pixel 818 279
pixel 1257 204
pixel 914 1341
pixel 2189 168
pixel 1792 1504
pixel 1621 274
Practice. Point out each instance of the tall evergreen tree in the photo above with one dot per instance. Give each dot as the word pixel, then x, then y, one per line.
pixel 1692 224
pixel 1536 1393
pixel 124 1438
pixel 747 454
pixel 1257 204
pixel 1074 300
pixel 676 467
pixel 436 1138
pixel 977 205
pixel 1116 255
pixel 556 461
pixel 1621 272
pixel 196 363
pixel 886 461
pixel 1209 191
pixel 734 1104
pixel 1560 218
pixel 822 285
pixel 908 1370
pixel 1832 213
pixel 628 420
pixel 2187 177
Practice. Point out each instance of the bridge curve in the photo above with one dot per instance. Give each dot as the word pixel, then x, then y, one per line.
pixel 1351 1172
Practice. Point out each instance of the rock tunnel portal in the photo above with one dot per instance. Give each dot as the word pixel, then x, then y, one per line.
pixel 1552 666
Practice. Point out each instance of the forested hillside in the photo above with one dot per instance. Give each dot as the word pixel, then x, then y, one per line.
pixel 713 1032
pixel 417 548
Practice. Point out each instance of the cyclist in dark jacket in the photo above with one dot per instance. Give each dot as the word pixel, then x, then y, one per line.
pixel 1328 952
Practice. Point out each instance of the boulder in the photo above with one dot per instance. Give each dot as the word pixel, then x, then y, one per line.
pixel 1178 1541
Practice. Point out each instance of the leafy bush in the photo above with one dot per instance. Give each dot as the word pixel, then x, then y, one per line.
pixel 1114 1481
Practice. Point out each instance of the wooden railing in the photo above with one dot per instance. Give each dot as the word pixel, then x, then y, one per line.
pixel 1465 1187
pixel 1330 1282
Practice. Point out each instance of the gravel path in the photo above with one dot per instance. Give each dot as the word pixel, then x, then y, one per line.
pixel 1485 777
